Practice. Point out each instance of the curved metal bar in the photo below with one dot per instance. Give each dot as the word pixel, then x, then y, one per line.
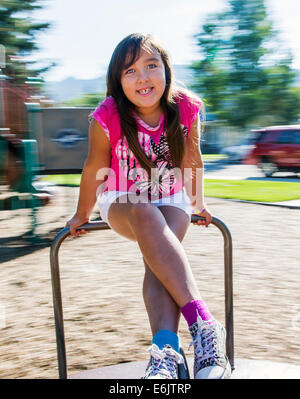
pixel 92 226
pixel 56 292
pixel 228 288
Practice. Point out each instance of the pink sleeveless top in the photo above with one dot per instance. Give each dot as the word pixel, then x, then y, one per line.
pixel 126 174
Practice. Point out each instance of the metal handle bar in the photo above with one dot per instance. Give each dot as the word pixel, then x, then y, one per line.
pixel 92 226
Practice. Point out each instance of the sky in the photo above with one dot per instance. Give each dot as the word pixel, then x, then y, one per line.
pixel 84 34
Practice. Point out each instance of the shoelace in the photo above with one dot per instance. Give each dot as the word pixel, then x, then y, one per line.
pixel 205 340
pixel 164 361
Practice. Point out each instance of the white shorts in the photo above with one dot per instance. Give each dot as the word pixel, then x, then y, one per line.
pixel 179 200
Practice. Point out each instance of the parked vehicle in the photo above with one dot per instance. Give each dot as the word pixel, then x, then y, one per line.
pixel 277 149
pixel 237 152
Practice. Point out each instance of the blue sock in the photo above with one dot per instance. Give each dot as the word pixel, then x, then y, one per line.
pixel 164 337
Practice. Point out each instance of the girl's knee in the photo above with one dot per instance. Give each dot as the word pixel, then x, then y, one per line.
pixel 144 215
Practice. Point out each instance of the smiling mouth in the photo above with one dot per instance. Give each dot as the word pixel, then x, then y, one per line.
pixel 145 91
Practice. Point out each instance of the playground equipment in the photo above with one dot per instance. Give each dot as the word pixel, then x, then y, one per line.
pixel 56 142
pixel 50 141
pixel 21 194
pixel 19 161
pixel 242 368
pixel 134 367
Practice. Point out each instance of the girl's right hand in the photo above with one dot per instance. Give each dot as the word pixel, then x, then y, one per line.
pixel 74 223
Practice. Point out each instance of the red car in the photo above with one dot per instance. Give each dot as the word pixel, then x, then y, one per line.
pixel 276 149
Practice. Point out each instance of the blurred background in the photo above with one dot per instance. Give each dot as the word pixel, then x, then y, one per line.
pixel 241 57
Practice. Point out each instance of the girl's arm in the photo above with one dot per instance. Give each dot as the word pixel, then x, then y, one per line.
pixel 93 175
pixel 194 173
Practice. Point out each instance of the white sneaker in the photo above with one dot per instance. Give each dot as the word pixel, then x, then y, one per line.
pixel 209 340
pixel 163 363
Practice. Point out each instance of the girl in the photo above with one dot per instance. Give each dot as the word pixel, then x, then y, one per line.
pixel 145 168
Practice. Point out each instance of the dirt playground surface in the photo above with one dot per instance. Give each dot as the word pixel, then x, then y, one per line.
pixel 102 275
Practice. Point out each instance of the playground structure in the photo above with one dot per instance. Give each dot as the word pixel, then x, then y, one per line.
pixel 18 151
pixel 58 307
pixel 20 172
pixel 241 368
pixel 36 140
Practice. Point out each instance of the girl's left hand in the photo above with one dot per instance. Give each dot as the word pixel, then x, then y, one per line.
pixel 205 213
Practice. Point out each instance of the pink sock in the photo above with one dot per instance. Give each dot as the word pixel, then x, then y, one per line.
pixel 189 311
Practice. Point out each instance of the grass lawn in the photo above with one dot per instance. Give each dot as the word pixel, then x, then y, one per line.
pixel 252 190
pixel 248 190
pixel 63 180
pixel 213 157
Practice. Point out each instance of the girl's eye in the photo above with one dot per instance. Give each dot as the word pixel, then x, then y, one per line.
pixel 131 70
pixel 152 66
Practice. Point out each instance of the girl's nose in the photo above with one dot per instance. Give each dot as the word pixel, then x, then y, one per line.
pixel 142 76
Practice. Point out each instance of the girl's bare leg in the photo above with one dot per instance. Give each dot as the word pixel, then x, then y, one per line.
pixel 160 247
pixel 163 312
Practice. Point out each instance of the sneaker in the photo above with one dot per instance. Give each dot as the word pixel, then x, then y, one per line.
pixel 163 363
pixel 209 338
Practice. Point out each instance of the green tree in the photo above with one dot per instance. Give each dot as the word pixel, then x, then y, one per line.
pixel 240 76
pixel 18 34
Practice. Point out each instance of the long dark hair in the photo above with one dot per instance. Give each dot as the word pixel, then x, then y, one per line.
pixel 124 55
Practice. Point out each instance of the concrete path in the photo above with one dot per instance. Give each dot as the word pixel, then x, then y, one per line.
pixel 292 204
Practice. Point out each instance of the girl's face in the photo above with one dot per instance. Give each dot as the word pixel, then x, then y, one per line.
pixel 144 82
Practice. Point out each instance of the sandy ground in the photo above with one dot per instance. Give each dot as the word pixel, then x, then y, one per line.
pixel 105 318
